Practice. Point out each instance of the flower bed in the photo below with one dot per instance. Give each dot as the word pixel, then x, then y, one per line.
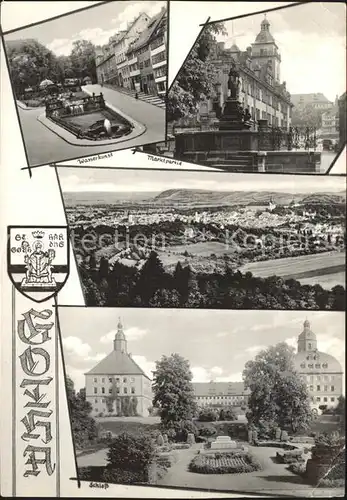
pixel 224 463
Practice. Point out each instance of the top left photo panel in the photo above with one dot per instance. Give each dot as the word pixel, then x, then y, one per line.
pixel 92 81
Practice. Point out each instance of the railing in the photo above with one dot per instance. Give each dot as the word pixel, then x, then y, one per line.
pixel 276 138
pixel 57 108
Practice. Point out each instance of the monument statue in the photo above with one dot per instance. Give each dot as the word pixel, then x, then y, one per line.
pixel 38 265
pixel 233 81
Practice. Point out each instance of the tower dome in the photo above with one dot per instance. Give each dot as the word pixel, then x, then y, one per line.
pixel 264 36
pixel 120 342
pixel 307 340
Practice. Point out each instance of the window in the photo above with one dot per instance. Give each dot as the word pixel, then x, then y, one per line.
pixel 161 86
pixel 110 391
pixel 147 63
pixel 309 345
pixel 95 379
pixel 325 388
pixel 103 380
pixel 332 388
pixel 124 380
pixel 102 390
pixel 159 57
pixel 318 387
pixel 160 71
pixel 132 379
pixel 117 390
pixel 110 379
pixel 95 400
pixel 325 400
pixel 318 398
pixel 95 390
pixel 159 41
pixel 317 365
pixel 133 390
pixel 311 387
pixel 125 390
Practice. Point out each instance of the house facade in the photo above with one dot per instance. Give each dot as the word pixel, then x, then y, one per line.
pixel 321 372
pixel 117 385
pixel 220 394
pixel 261 90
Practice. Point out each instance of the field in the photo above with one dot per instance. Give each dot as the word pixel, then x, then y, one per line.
pixel 326 268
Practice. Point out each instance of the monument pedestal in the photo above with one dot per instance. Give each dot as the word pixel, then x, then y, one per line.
pixel 38 284
pixel 233 117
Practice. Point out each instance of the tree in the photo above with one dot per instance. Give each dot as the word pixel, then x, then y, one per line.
pixel 196 78
pixel 306 116
pixel 277 392
pixel 173 390
pixel 30 62
pixel 82 59
pixel 83 425
pixel 152 278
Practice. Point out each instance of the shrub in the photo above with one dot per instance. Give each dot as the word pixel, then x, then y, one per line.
pixel 207 431
pixel 133 452
pixel 207 415
pixel 224 463
pixel 123 476
pixel 289 457
pixel 181 446
pixel 298 468
pixel 180 431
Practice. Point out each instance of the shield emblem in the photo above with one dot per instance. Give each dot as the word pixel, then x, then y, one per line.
pixel 38 260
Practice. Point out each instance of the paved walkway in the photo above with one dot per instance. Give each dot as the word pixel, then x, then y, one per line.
pixel 44 146
pixel 274 479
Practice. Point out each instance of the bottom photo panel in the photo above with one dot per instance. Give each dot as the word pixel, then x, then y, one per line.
pixel 221 401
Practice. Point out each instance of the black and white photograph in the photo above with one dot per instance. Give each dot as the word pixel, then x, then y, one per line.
pixel 92 81
pixel 238 402
pixel 263 92
pixel 207 240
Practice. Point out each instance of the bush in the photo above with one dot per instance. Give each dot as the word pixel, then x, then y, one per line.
pixel 298 468
pixel 224 463
pixel 180 431
pixel 132 452
pixel 290 457
pixel 207 431
pixel 123 476
pixel 160 440
pixel 181 446
pixel 207 415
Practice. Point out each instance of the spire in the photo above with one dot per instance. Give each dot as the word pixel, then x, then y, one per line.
pixel 120 342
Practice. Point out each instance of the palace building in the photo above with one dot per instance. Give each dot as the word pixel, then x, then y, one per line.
pixel 261 89
pixel 322 372
pixel 117 385
pixel 220 394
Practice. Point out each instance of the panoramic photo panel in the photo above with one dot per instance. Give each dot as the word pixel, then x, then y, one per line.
pixel 217 240
pixel 91 82
pixel 238 402
pixel 263 93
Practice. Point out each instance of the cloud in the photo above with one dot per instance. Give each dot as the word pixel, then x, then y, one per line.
pixel 77 376
pixel 132 11
pixel 133 333
pixel 292 342
pixel 64 46
pixel 232 377
pixel 255 349
pixel 217 370
pixel 80 351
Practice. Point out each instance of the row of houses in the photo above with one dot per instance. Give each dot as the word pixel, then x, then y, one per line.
pixel 136 58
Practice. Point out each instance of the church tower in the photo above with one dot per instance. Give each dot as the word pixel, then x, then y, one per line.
pixel 265 51
pixel 307 341
pixel 120 342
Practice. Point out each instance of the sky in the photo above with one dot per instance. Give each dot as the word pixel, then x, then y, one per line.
pixel 96 24
pixel 123 180
pixel 217 344
pixel 312 41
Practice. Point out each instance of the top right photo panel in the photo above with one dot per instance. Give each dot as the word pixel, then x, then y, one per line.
pixel 263 92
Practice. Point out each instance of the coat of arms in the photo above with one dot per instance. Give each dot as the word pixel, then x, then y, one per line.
pixel 38 260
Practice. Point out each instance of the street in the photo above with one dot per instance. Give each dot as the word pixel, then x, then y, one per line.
pixel 44 146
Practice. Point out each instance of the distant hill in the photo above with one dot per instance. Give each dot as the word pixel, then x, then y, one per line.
pixel 199 196
pixel 195 197
pixel 104 198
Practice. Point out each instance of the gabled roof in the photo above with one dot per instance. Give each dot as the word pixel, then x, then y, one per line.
pixel 117 363
pixel 147 34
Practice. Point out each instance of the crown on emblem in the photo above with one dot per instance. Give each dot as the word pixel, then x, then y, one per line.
pixel 38 234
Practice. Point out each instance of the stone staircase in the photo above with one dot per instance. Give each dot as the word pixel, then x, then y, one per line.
pixel 151 99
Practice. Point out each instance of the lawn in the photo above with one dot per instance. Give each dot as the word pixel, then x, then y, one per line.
pixel 116 425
